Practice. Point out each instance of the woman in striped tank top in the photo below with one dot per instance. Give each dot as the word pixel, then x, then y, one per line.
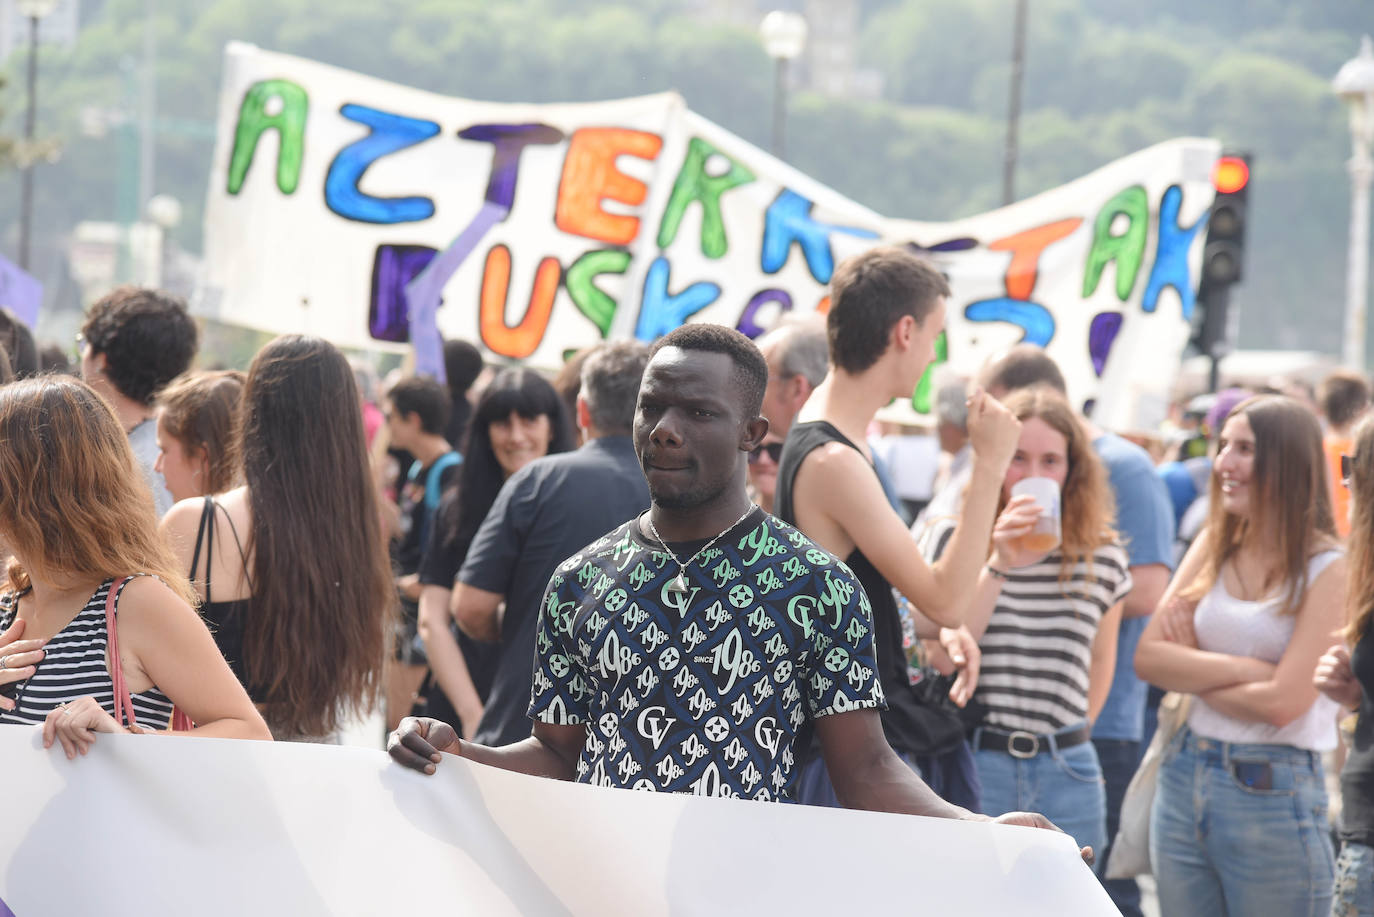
pixel 75 518
pixel 1046 622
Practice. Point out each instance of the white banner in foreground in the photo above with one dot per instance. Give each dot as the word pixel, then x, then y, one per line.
pixel 153 825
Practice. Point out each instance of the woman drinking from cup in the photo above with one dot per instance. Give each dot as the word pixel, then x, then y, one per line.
pixel 1045 614
pixel 1239 821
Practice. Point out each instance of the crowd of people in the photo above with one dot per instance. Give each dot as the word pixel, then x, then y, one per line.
pixel 684 567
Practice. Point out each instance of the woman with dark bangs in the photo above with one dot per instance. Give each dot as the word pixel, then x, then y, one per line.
pixel 1046 620
pixel 291 568
pixel 1346 675
pixel 78 521
pixel 517 419
pixel 1239 821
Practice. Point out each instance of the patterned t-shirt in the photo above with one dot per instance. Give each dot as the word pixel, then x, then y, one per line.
pixel 702 692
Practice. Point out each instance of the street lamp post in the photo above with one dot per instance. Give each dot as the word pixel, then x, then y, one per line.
pixel 1355 85
pixel 784 37
pixel 33 10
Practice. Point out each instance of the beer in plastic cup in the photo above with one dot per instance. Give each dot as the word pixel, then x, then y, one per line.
pixel 1044 536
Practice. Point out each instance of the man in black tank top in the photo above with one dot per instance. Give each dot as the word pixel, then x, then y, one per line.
pixel 887 307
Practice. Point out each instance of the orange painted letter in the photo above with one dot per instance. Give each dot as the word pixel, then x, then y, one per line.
pixel 1026 248
pixel 590 177
pixel 523 339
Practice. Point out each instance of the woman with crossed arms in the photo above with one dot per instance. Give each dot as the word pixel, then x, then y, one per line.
pixel 1239 823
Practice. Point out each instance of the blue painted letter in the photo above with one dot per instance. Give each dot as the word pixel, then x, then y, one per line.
pixel 660 311
pixel 1032 318
pixel 789 220
pixel 389 134
pixel 1171 255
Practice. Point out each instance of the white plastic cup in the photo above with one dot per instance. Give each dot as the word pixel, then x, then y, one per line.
pixel 1045 534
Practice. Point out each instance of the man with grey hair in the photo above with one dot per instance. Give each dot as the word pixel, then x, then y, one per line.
pixel 951 426
pixel 544 513
pixel 798 357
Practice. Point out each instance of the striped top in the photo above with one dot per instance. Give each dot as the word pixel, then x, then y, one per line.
pixel 1037 649
pixel 73 666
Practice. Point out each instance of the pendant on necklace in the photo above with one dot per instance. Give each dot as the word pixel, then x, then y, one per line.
pixel 679 584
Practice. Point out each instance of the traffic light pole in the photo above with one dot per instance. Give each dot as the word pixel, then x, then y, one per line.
pixel 1219 343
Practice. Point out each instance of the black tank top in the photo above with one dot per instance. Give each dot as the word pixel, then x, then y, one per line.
pixel 911 725
pixel 226 619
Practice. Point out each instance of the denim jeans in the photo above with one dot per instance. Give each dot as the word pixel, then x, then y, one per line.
pixel 950 776
pixel 1240 830
pixel 1353 894
pixel 1120 758
pixel 1063 784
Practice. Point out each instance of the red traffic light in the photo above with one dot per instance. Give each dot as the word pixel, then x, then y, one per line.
pixel 1230 174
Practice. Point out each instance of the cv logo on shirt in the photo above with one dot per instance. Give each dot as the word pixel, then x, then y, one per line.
pixel 654 723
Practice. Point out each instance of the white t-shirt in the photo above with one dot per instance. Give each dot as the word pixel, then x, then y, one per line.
pixel 1226 624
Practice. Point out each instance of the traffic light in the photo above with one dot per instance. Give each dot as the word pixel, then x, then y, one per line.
pixel 1223 253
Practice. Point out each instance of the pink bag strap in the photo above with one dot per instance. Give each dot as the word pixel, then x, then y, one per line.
pixel 124 703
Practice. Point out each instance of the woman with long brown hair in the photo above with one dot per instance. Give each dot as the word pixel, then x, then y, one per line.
pixel 77 519
pixel 291 568
pixel 1239 819
pixel 1345 673
pixel 196 436
pixel 1046 620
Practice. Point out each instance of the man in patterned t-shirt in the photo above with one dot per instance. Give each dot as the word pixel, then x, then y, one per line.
pixel 701 691
pixel 683 651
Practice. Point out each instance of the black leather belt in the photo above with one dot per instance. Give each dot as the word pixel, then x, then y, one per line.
pixel 1021 744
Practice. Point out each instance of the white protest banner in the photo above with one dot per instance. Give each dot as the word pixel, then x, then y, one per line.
pixel 375 214
pixel 166 825
pixel 1101 272
pixel 330 191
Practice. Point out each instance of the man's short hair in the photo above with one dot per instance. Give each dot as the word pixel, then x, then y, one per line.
pixel 147 337
pixel 1342 396
pixel 610 384
pixel 871 292
pixel 1023 366
pixel 425 397
pixel 462 366
pixel 802 347
pixel 751 369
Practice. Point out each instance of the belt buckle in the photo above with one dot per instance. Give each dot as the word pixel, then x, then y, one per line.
pixel 1019 753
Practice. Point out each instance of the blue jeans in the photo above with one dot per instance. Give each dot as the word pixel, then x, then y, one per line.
pixel 1353 893
pixel 1063 784
pixel 1120 758
pixel 950 776
pixel 1240 830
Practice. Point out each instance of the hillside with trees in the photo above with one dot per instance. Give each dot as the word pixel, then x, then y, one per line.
pixel 1102 79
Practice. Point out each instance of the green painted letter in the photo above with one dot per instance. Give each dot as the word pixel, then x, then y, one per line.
pixel 278 104
pixel 1127 249
pixel 694 183
pixel 590 299
pixel 921 399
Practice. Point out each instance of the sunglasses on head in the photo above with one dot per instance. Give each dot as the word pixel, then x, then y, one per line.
pixel 774 451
